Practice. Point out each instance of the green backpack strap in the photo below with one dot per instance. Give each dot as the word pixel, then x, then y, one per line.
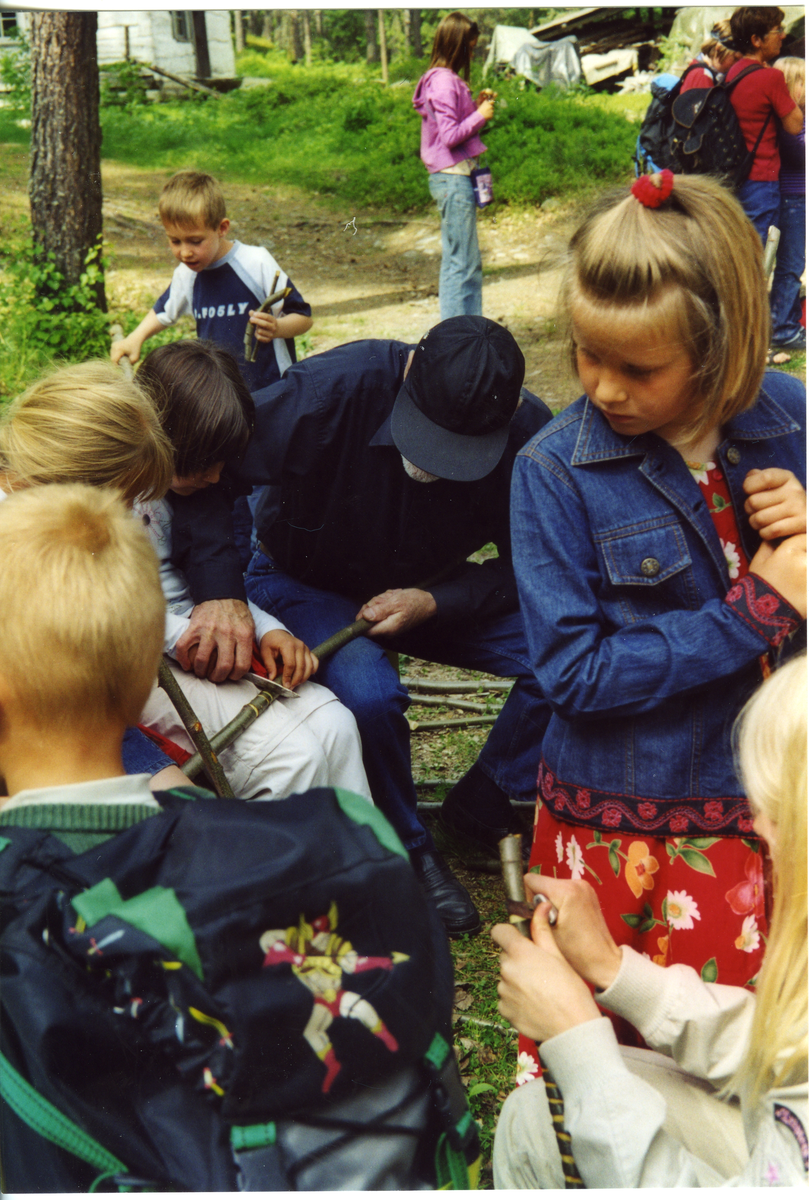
pixel 457 1154
pixel 46 1120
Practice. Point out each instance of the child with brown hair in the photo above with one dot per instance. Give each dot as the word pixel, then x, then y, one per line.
pixel 63 429
pixel 659 536
pixel 223 283
pixel 451 122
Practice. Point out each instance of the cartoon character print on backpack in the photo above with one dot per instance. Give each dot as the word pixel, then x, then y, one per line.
pixel 319 958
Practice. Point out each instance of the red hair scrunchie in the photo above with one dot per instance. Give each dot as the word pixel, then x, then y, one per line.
pixel 652 190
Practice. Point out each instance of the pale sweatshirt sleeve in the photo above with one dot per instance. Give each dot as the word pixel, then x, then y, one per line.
pixel 178 298
pixel 615 1120
pixel 704 1027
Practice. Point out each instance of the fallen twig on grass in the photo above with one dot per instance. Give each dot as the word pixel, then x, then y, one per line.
pixel 459 723
pixel 453 687
pixel 448 702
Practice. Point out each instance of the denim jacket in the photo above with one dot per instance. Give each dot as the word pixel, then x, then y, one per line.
pixel 644 647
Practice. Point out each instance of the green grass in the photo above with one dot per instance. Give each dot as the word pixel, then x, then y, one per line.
pixel 336 131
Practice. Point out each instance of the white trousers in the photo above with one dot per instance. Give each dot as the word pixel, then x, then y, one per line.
pixel 526 1153
pixel 294 745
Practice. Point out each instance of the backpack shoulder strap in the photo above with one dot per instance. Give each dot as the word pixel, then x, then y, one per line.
pixel 728 87
pixel 697 67
pixel 45 1119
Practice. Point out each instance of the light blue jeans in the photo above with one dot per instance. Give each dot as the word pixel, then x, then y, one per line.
pixel 460 284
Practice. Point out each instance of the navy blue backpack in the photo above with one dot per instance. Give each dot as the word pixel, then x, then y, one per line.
pixel 226 996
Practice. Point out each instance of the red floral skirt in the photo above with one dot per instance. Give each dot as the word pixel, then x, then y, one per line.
pixel 693 900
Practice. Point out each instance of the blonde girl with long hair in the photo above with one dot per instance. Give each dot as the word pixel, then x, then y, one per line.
pixel 732 1105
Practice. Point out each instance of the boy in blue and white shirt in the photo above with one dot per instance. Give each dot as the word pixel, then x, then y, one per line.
pixel 223 283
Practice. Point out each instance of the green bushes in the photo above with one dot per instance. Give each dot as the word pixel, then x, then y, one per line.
pixel 42 318
pixel 334 131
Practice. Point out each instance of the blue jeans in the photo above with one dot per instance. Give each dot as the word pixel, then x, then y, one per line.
pixel 460 284
pixel 362 677
pixel 141 755
pixel 761 200
pixel 785 303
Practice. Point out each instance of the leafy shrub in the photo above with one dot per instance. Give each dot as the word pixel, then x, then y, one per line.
pixel 358 116
pixel 43 313
pixel 15 73
pixel 349 138
pixel 122 84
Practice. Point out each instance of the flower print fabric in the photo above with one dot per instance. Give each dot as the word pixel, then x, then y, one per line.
pixel 668 898
pixel 716 493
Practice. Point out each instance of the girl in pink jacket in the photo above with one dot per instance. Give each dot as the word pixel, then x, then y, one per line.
pixel 450 124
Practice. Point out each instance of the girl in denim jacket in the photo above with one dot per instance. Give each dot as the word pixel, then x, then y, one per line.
pixel 659 534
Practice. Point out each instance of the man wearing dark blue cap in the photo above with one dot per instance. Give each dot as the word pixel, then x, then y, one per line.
pixel 386 466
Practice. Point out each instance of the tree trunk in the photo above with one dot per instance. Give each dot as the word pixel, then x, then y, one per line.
pixel 295 46
pixel 415 32
pixel 268 26
pixel 319 22
pixel 307 37
pixel 371 48
pixel 383 45
pixel 238 30
pixel 65 180
pixel 255 22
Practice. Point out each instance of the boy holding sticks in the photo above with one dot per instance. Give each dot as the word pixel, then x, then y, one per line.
pixel 225 284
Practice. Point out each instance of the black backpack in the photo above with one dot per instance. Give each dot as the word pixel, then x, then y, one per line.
pixel 653 152
pixel 696 132
pixel 226 996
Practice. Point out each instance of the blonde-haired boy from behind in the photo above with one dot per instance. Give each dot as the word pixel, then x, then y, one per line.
pixel 222 283
pixel 77 659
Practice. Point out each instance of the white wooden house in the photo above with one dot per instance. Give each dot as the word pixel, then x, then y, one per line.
pixel 196 44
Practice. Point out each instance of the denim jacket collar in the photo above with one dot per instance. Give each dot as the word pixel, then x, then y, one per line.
pixel 597 442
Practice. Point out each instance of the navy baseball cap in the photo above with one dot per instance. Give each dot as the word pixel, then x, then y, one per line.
pixel 452 415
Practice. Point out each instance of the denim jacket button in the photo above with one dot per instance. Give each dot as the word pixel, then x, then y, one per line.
pixel 650 567
pixel 734 455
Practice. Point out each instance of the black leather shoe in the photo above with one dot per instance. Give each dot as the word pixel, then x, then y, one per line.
pixel 473 835
pixel 447 894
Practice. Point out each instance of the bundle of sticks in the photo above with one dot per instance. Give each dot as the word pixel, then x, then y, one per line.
pixel 250 340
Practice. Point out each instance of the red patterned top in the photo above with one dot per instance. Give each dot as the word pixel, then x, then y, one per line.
pixel 716 493
pixel 715 490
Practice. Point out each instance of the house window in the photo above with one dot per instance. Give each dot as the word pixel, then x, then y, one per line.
pixel 181 26
pixel 8 24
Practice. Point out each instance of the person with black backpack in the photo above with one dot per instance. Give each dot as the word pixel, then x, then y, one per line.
pixel 663 134
pixel 761 101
